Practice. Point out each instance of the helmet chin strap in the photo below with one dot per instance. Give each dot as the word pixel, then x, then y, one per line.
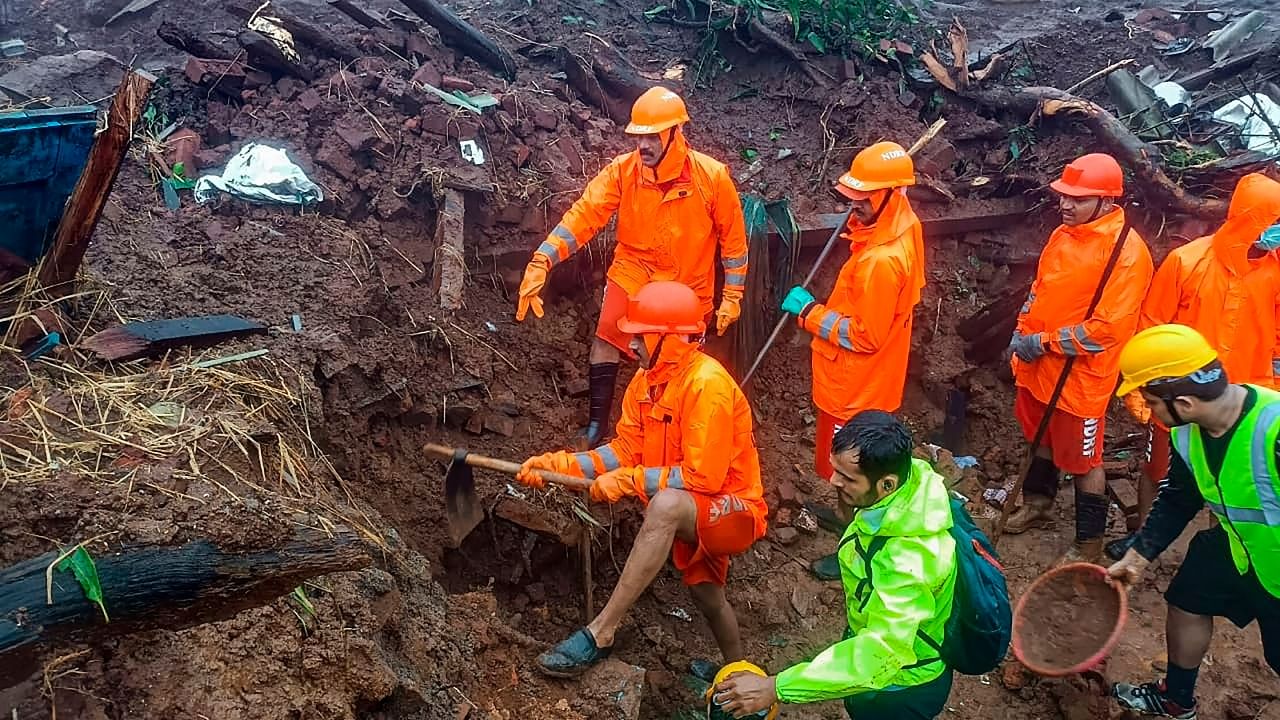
pixel 666 147
pixel 1097 209
pixel 884 203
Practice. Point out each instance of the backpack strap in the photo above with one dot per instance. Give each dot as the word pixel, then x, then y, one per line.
pixel 868 582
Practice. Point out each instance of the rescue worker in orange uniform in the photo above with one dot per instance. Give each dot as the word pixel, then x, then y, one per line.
pixel 1053 326
pixel 862 334
pixel 684 448
pixel 674 205
pixel 1226 286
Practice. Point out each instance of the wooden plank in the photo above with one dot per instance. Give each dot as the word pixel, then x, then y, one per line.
pixel 463 35
pixel 302 31
pixel 90 195
pixel 450 261
pixel 191 43
pixel 816 233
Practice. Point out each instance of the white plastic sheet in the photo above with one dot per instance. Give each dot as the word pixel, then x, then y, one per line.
pixel 260 173
pixel 1255 115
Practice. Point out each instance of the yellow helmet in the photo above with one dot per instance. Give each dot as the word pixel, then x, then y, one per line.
pixel 713 709
pixel 1161 352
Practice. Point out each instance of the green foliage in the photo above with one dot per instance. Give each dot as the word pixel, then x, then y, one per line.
pixel 1021 139
pixel 750 154
pixel 855 26
pixel 81 564
pixel 1179 157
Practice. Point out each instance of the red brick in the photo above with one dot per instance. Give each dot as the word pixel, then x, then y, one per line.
pixel 451 82
pixel 427 74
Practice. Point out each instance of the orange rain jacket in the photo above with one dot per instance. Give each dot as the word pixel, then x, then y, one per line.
pixel 669 220
pixel 862 334
pixel 1070 269
pixel 1211 285
pixel 688 424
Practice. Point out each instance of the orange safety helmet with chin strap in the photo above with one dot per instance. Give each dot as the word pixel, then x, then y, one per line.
pixel 656 109
pixel 1092 175
pixel 663 307
pixel 877 167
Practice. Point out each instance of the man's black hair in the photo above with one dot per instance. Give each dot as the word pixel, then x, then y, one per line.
pixel 884 444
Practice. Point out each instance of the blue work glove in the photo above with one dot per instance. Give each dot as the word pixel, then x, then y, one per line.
pixel 1028 348
pixel 797 300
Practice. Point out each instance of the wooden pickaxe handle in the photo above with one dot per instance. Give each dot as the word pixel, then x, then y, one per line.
pixel 508 467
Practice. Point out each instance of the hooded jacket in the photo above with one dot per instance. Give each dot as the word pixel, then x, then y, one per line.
pixel 670 219
pixel 688 424
pixel 1212 285
pixel 1067 277
pixel 906 589
pixel 862 334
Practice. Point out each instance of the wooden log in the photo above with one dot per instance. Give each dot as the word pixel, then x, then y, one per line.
pixel 85 205
pixel 464 36
pixel 264 54
pixel 170 588
pixel 450 265
pixel 191 43
pixel 979 323
pixel 1145 161
pixel 357 13
pixel 320 40
pixel 582 78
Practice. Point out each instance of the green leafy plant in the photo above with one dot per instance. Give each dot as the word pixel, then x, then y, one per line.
pixel 305 609
pixel 80 563
pixel 750 154
pixel 843 25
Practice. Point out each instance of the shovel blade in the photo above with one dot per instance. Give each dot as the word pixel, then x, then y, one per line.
pixel 462 508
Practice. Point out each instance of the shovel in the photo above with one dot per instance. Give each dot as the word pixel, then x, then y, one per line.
pixel 461 506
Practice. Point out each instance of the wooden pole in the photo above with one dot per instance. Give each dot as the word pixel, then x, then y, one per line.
pixel 357 13
pixel 304 32
pixel 90 194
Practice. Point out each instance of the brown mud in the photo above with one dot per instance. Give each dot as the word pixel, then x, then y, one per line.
pixel 1068 619
pixel 379 369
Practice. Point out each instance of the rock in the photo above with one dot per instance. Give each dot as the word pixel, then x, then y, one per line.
pixel 427 74
pixel 545 119
pixel 786 491
pixel 457 414
pixel 939 156
pixel 520 155
pixel 786 535
pixel 181 147
pixel 580 117
pixel 615 688
pixel 288 86
pixel 572 154
pixel 803 600
pixel 415 43
pixel 397 91
pixel 475 425
pixel 504 401
pixel 72 79
pixel 356 132
pixel 338 160
pixel 578 387
pixel 782 517
pixel 451 82
pixel 310 100
pixel 500 424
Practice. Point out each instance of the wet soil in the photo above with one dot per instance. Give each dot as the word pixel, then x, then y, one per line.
pixel 1068 619
pixel 435 632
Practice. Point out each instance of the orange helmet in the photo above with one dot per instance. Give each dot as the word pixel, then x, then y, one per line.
pixel 663 307
pixel 656 110
pixel 1092 175
pixel 883 165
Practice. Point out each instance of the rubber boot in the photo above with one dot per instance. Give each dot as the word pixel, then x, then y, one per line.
pixel 601 381
pixel 1091 524
pixel 1038 493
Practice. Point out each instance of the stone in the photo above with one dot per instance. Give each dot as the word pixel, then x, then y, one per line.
pixel 310 100
pixel 475 425
pixel 520 155
pixel 545 119
pixel 580 117
pixel 615 687
pixel 71 79
pixel 427 74
pixel 500 424
pixel 338 160
pixel 181 147
pixel 356 132
pixel 451 83
pixel 458 413
pixel 786 491
pixel 396 91
pixel 786 535
pixel 504 401
pixel 288 86
pixel 415 43
pixel 572 154
pixel 937 158
pixel 578 387
pixel 435 120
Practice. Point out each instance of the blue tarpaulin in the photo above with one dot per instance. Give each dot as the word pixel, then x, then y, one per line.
pixel 42 153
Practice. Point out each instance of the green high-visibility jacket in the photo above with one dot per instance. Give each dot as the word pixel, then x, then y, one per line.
pixel 907 590
pixel 1245 495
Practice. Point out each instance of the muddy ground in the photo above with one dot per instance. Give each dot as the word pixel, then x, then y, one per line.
pixel 380 369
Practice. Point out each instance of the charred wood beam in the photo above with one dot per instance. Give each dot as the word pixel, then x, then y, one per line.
pixel 265 55
pixel 464 36
pixel 321 40
pixel 357 13
pixel 1145 161
pixel 191 43
pixel 149 588
pixel 604 78
pixel 84 207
